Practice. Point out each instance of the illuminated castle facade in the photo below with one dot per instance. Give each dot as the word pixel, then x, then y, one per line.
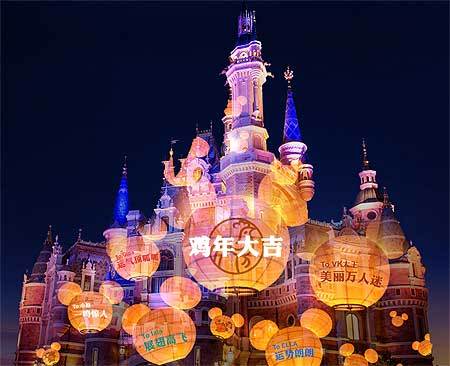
pixel 239 169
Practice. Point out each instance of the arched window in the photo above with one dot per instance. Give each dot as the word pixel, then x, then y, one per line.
pixel 166 263
pixel 205 317
pixel 164 224
pixel 352 323
pixel 291 320
pixel 258 142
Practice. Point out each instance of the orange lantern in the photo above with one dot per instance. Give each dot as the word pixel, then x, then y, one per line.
pixel 427 337
pixel 294 346
pixel 180 292
pixel 222 327
pixel 355 360
pixel 67 292
pixel 56 346
pixel 397 321
pixel 214 312
pixel 415 345
pixel 349 272
pixel 425 348
pixel 371 355
pixel 238 320
pixel 318 321
pixel 112 291
pixel 392 313
pixel 164 335
pixel 40 352
pixel 90 312
pixel 134 258
pixel 346 349
pixel 405 316
pixel 51 357
pixel 261 333
pixel 132 315
pixel 240 254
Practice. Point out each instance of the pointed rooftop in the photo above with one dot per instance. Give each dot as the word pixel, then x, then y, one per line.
pixel 291 130
pixel 121 207
pixel 39 268
pixel 246 26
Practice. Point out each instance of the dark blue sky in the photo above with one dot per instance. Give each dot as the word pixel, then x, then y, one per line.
pixel 85 83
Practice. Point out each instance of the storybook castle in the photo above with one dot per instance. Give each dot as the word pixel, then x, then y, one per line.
pixel 238 167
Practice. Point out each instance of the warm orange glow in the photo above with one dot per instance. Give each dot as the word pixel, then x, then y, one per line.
pixel 397 321
pixel 67 292
pixel 132 315
pixel 40 352
pixel 425 348
pixel 222 327
pixel 393 313
pixel 349 272
pixel 317 321
pixel 51 357
pixel 199 147
pixel 164 335
pixel 405 316
pixel 238 320
pixel 90 312
pixel 371 355
pixel 427 337
pixel 415 345
pixel 56 346
pixel 112 291
pixel 214 312
pixel 346 349
pixel 261 333
pixel 355 360
pixel 180 292
pixel 301 344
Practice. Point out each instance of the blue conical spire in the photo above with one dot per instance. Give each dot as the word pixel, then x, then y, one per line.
pixel 121 207
pixel 291 127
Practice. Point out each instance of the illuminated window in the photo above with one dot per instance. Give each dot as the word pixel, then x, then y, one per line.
pixel 166 263
pixel 352 327
pixel 290 320
pixel 95 357
pixel 87 283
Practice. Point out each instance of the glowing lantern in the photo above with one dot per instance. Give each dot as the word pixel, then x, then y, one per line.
pixel 164 335
pixel 349 272
pixel 425 348
pixel 40 352
pixel 393 314
pixel 214 312
pixel 238 255
pixel 371 355
pixel 346 349
pixel 355 360
pixel 238 320
pixel 180 292
pixel 399 364
pixel 318 321
pixel 112 291
pixel 261 333
pixel 67 292
pixel 51 357
pixel 132 315
pixel 222 327
pixel 56 346
pixel 134 258
pixel 397 321
pixel 302 346
pixel 90 312
pixel 415 345
pixel 427 337
pixel 405 316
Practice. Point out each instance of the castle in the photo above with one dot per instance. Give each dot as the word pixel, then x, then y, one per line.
pixel 240 166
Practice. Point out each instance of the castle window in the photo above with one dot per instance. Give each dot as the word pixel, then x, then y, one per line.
pixel 290 320
pixel 87 283
pixel 95 357
pixel 166 263
pixel 156 283
pixel 413 291
pixel 352 323
pixel 164 224
pixel 289 270
pixel 205 317
pixel 397 291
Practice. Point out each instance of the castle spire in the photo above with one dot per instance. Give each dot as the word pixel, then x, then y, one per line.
pixel 291 127
pixel 365 159
pixel 246 26
pixel 121 207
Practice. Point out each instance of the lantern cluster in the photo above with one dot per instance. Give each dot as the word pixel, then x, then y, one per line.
pixel 424 347
pixel 352 359
pixel 223 326
pixel 49 356
pixel 398 320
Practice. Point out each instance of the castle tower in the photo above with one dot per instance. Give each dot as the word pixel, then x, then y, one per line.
pixel 31 306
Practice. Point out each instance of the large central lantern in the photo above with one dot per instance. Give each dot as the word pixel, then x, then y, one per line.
pixel 239 247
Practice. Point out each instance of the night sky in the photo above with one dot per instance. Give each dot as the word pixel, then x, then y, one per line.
pixel 85 83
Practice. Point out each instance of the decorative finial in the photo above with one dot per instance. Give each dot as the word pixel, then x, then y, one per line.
pixel 124 168
pixel 365 159
pixel 385 197
pixel 211 126
pixel 79 234
pixel 289 75
pixel 196 128
pixel 56 239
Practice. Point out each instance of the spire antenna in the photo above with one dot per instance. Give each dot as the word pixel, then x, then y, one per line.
pixel 124 168
pixel 79 234
pixel 365 158
pixel 289 75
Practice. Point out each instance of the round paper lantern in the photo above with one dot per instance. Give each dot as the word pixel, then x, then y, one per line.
pixel 232 252
pixel 90 312
pixel 427 337
pixel 112 291
pixel 222 327
pixel 214 312
pixel 349 272
pixel 415 345
pixel 164 335
pixel 355 360
pixel 132 315
pixel 261 333
pixel 371 355
pixel 67 292
pixel 397 321
pixel 40 352
pixel 294 346
pixel 318 321
pixel 51 357
pixel 135 258
pixel 405 316
pixel 180 292
pixel 56 346
pixel 346 349
pixel 425 348
pixel 238 320
pixel 393 314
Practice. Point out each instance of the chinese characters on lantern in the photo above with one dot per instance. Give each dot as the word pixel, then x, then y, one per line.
pixel 272 246
pixel 87 312
pixel 291 352
pixel 162 341
pixel 124 258
pixel 347 275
